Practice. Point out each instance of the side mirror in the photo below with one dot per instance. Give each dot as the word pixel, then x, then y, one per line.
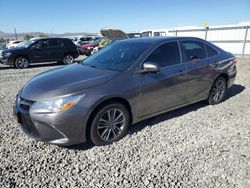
pixel 34 47
pixel 148 67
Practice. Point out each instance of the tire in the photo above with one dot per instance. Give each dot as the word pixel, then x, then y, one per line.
pixel 110 124
pixel 68 59
pixel 21 62
pixel 218 91
pixel 88 52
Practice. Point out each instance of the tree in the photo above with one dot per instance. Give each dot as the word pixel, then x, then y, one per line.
pixel 28 36
pixel 42 35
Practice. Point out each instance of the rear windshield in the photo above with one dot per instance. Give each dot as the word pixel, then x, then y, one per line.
pixel 117 56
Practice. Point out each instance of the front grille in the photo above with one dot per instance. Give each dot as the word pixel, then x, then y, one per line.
pixel 28 126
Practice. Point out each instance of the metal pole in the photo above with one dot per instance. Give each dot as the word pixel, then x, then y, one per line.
pixel 15 33
pixel 206 31
pixel 245 41
pixel 176 31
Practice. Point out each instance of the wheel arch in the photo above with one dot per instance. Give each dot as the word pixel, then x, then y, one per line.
pixel 103 103
pixel 65 54
pixel 224 75
pixel 22 55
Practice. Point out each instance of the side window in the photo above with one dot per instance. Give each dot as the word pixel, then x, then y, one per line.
pixel 54 43
pixel 68 43
pixel 193 50
pixel 166 55
pixel 210 51
pixel 40 44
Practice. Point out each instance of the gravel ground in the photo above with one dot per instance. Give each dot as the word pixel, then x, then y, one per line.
pixel 196 146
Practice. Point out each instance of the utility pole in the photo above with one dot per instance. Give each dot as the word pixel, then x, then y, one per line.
pixel 15 33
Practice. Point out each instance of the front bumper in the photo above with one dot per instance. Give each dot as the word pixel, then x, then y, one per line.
pixel 4 61
pixel 66 128
pixel 7 60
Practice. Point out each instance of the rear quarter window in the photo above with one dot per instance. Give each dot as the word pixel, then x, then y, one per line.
pixel 55 43
pixel 210 51
pixel 68 43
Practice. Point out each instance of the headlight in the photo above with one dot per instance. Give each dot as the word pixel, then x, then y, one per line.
pixel 89 48
pixel 7 54
pixel 55 105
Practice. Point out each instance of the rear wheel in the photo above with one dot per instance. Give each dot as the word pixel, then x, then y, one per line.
pixel 218 91
pixel 68 59
pixel 110 124
pixel 21 62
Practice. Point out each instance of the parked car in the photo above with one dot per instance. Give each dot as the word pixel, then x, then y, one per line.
pixel 124 83
pixel 87 48
pixel 13 44
pixel 40 50
pixel 80 41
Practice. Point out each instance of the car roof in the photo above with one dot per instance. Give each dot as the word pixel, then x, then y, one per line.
pixel 160 39
pixel 46 38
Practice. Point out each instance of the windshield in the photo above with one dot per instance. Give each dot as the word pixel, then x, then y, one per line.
pixel 26 43
pixel 117 56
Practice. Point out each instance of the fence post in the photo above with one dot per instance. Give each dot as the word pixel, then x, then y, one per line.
pixel 245 41
pixel 206 31
pixel 176 31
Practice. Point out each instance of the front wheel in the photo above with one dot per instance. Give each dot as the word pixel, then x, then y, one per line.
pixel 218 91
pixel 110 124
pixel 68 59
pixel 21 63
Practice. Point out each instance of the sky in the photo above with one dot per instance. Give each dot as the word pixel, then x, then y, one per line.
pixel 60 16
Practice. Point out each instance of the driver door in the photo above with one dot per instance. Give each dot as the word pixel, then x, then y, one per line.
pixel 40 51
pixel 166 89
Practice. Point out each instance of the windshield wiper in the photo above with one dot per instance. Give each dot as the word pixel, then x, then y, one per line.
pixel 94 66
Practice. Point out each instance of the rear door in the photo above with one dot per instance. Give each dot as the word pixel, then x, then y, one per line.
pixel 166 89
pixel 56 49
pixel 198 69
pixel 39 51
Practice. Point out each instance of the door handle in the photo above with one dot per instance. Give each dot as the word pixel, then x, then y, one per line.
pixel 181 72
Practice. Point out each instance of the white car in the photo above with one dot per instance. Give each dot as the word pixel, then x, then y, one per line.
pixel 13 44
pixel 79 40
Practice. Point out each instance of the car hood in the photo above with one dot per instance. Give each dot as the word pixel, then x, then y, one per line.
pixel 13 49
pixel 113 34
pixel 71 79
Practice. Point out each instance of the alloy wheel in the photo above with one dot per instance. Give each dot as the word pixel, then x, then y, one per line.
pixel 22 63
pixel 218 90
pixel 111 124
pixel 68 59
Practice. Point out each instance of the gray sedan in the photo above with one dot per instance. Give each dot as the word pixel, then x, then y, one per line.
pixel 126 82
